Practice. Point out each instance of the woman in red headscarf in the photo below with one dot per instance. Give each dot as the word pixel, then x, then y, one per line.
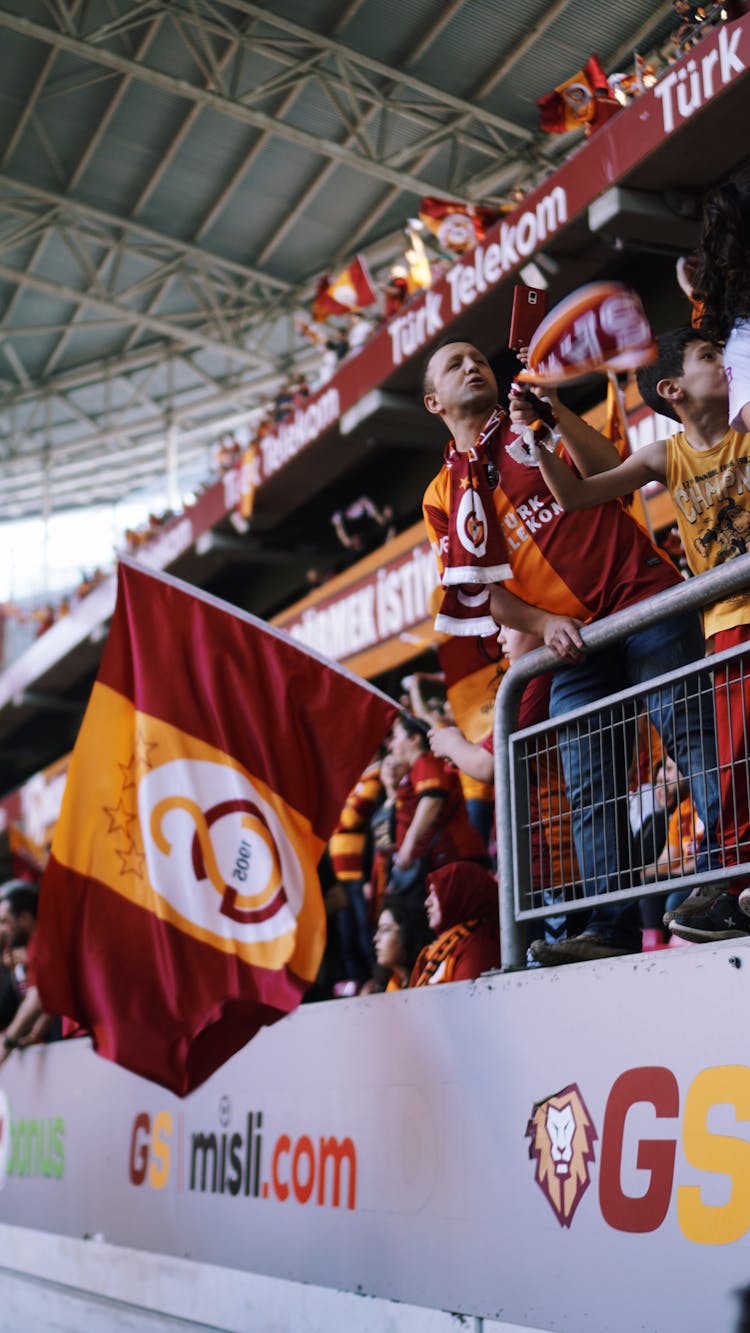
pixel 462 909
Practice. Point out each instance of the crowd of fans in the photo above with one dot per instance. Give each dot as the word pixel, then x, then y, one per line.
pixel 428 251
pixel 410 872
pixel 409 876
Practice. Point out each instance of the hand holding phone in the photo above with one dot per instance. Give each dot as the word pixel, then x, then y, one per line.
pixel 529 309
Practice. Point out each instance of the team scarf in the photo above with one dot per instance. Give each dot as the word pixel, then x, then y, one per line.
pixel 599 327
pixel 477 555
pixel 442 951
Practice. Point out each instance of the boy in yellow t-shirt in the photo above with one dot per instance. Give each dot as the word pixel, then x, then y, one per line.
pixel 707 470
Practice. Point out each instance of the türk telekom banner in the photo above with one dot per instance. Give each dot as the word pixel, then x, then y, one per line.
pixel 689 85
pixel 491 1148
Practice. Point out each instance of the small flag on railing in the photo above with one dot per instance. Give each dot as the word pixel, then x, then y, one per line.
pixel 181 909
pixel 616 429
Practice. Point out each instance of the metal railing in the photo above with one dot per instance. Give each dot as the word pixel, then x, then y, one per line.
pixel 604 730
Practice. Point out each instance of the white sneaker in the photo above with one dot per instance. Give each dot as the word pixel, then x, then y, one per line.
pixel 697 901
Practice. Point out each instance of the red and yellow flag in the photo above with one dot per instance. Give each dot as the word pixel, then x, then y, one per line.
pixel 249 478
pixel 572 104
pixel 181 910
pixel 601 326
pixel 456 226
pixel 346 294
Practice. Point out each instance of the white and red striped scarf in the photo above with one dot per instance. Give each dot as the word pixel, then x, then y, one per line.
pixel 477 555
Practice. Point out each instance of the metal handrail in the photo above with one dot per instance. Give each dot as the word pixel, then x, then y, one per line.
pixel 694 593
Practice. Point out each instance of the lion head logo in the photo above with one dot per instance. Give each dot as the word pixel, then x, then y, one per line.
pixel 561 1137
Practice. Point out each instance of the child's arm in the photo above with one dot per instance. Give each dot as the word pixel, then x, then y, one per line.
pixel 573 492
pixel 450 743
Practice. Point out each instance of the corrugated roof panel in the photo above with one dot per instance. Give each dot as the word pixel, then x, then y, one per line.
pixel 321 15
pixel 390 31
pixel 133 150
pixel 473 43
pixel 262 202
pixel 337 210
pixel 315 112
pixel 183 194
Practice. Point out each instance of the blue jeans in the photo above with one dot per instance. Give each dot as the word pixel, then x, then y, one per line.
pixel 596 766
pixel 481 814
pixel 355 938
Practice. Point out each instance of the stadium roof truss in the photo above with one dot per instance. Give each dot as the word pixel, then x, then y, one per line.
pixel 174 175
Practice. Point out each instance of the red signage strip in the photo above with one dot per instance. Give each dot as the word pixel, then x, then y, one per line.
pixel 378 600
pixel 701 76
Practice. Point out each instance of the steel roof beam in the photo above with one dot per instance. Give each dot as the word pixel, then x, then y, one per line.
pixel 377 67
pixel 166 327
pixel 236 110
pixel 195 253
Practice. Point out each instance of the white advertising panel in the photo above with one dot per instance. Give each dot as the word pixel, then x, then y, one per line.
pixel 566 1149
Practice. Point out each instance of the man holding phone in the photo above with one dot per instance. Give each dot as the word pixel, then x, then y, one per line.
pixel 562 573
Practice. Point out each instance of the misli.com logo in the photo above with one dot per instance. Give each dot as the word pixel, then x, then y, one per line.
pixel 30 1147
pixel 319 1169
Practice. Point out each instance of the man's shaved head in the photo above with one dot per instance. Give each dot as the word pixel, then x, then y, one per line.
pixel 425 377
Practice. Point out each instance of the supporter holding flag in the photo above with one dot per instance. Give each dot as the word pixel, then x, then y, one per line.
pixel 346 294
pixel 457 227
pixel 687 382
pixel 582 101
pixel 181 909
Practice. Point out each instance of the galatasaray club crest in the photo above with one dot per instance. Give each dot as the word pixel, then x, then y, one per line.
pixel 561 1136
pixel 215 848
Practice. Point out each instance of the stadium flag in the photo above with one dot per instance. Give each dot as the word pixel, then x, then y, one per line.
pixel 456 226
pixel 249 478
pixel 346 294
pixel 616 430
pixel 572 104
pixel 181 909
